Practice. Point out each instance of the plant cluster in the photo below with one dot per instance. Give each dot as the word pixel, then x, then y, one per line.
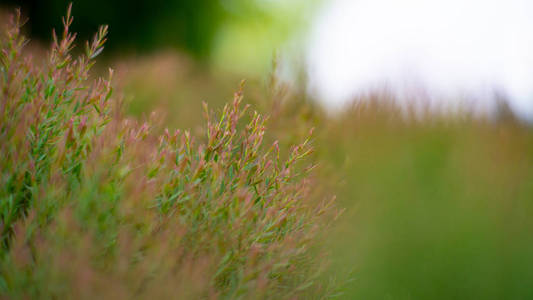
pixel 94 204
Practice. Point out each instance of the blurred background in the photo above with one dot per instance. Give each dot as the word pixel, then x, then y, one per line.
pixel 428 146
pixel 240 35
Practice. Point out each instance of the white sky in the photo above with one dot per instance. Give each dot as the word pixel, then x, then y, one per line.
pixel 454 49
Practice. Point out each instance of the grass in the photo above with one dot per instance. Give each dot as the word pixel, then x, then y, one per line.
pixel 435 211
pixel 96 204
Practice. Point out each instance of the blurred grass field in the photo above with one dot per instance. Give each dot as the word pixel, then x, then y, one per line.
pixel 436 211
pixel 437 207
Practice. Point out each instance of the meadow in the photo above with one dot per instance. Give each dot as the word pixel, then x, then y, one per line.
pixel 164 179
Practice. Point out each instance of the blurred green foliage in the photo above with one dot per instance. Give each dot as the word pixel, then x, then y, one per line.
pixel 436 210
pixel 190 24
pixel 197 27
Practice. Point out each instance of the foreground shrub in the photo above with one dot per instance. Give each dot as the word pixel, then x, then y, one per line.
pixel 49 115
pixel 93 204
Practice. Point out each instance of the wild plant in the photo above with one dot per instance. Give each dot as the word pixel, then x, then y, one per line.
pixel 95 204
pixel 49 114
